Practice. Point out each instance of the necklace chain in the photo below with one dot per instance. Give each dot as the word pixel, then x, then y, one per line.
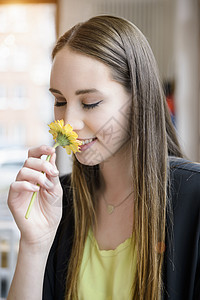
pixel 111 207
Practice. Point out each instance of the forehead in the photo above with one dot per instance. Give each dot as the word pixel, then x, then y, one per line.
pixel 72 71
pixel 68 61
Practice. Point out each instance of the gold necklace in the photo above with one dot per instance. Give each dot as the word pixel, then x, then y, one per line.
pixel 111 207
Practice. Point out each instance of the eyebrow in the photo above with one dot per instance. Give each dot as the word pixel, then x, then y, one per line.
pixel 55 91
pixel 86 91
pixel 78 92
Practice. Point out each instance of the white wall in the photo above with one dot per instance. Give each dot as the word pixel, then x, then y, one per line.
pixel 187 52
pixel 74 11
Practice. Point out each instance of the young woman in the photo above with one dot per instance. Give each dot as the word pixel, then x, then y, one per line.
pixel 128 226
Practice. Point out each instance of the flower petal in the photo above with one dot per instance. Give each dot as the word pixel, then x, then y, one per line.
pixel 65 136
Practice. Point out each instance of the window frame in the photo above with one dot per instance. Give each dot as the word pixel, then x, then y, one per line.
pixel 27 1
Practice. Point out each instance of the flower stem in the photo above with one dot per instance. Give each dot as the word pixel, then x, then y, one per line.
pixel 35 193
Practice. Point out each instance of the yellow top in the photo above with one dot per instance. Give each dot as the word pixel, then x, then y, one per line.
pixel 106 274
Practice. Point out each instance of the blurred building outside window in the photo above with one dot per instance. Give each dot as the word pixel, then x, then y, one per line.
pixel 3 97
pixel 27 36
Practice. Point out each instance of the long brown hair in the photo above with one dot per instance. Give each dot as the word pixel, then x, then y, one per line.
pixel 123 48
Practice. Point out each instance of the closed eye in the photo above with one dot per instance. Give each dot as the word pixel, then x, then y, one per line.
pixel 85 106
pixel 59 103
pixel 91 106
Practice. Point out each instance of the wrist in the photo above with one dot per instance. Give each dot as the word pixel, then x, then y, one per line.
pixel 36 246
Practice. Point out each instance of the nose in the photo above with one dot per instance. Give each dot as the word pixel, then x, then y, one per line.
pixel 74 118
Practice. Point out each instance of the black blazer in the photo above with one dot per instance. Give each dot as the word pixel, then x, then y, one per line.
pixel 182 257
pixel 181 268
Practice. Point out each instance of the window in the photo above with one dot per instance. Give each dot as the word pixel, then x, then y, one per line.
pixel 2 134
pixel 3 97
pixel 27 36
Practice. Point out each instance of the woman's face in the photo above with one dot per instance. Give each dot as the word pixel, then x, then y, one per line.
pixel 93 103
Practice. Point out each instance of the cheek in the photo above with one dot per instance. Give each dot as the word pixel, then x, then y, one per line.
pixel 113 131
pixel 95 121
pixel 58 113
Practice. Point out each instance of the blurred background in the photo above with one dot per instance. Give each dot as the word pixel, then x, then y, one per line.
pixel 28 31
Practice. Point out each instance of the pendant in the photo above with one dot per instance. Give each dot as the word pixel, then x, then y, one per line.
pixel 110 209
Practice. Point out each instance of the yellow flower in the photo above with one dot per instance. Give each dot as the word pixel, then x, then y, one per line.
pixel 65 136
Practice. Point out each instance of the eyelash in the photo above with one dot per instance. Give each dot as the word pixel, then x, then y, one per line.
pixel 60 103
pixel 85 106
pixel 91 106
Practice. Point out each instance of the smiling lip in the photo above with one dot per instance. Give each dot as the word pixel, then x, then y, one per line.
pixel 87 143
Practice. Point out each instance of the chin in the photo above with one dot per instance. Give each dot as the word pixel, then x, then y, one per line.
pixel 86 160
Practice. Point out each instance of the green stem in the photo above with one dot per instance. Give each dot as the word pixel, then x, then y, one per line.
pixel 35 193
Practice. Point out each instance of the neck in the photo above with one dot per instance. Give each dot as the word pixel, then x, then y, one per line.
pixel 116 179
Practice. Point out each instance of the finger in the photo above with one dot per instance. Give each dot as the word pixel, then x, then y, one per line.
pixel 33 176
pixel 15 191
pixel 23 186
pixel 54 179
pixel 39 151
pixel 53 160
pixel 41 165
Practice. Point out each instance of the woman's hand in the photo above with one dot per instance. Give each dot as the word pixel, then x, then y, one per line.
pixel 39 230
